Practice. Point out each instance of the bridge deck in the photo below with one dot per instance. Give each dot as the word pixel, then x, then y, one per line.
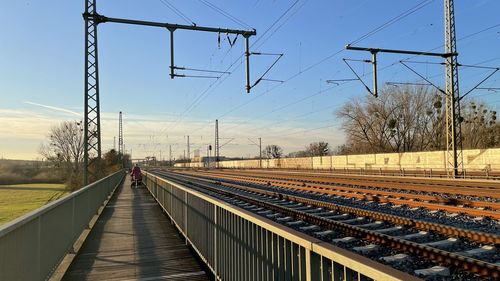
pixel 134 240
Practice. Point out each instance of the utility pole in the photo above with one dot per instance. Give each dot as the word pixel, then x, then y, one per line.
pixel 121 147
pixel 188 150
pixel 170 155
pixel 260 152
pixel 114 143
pixel 209 155
pixel 92 119
pixel 454 156
pixel 216 143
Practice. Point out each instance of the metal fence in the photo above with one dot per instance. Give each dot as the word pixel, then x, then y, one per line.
pixel 32 246
pixel 236 244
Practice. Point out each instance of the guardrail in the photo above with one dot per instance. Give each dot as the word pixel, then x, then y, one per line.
pixel 236 244
pixel 32 246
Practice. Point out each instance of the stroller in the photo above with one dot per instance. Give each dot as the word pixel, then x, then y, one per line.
pixel 136 176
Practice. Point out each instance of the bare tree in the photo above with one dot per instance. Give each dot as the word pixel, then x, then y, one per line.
pixel 300 153
pixel 65 148
pixel 318 149
pixel 479 127
pixel 411 119
pixel 398 120
pixel 272 151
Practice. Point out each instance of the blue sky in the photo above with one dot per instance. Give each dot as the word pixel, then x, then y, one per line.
pixel 41 69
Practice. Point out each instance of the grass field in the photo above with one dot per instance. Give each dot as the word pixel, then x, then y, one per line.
pixel 19 199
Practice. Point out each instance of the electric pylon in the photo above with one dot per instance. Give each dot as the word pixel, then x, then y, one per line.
pixel 121 151
pixel 92 123
pixel 92 120
pixel 216 143
pixel 454 156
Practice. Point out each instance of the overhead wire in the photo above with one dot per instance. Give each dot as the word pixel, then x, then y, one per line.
pixel 378 29
pixel 296 118
pixel 177 12
pixel 275 22
pixel 226 14
pixel 212 6
pixel 462 38
pixel 201 97
pixel 359 40
pixel 280 26
pixel 393 20
pixel 206 92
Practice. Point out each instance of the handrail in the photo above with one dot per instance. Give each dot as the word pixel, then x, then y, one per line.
pixel 234 242
pixel 40 239
pixel 37 212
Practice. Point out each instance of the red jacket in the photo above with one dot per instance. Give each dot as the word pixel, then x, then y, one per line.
pixel 136 173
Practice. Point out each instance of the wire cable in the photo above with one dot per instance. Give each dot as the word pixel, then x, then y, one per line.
pixel 177 12
pixel 212 86
pixel 226 14
pixel 407 13
pixel 274 23
pixel 393 20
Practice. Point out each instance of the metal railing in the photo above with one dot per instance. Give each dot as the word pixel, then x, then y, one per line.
pixel 32 246
pixel 236 244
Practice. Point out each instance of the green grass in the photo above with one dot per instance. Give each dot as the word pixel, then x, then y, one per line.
pixel 19 199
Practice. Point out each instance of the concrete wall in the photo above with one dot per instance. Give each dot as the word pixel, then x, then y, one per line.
pixel 474 159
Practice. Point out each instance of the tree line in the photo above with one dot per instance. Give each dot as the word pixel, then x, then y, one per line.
pixel 403 119
pixel 64 148
pixel 321 148
pixel 412 118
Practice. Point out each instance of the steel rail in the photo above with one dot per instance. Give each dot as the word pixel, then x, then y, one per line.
pixel 475 188
pixel 407 173
pixel 380 196
pixel 468 183
pixel 304 257
pixel 470 264
pixel 419 224
pixel 435 202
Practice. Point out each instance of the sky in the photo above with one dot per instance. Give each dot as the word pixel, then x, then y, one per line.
pixel 42 64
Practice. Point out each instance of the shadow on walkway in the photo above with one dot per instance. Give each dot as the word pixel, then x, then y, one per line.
pixel 134 240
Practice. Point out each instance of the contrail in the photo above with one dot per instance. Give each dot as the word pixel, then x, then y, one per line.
pixel 54 108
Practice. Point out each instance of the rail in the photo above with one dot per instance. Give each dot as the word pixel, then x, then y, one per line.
pixel 32 246
pixel 235 244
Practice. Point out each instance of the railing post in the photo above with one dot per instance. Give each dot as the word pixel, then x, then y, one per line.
pixel 39 249
pixel 308 265
pixel 186 216
pixel 73 230
pixel 215 240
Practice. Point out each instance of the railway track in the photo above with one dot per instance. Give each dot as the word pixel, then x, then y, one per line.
pixel 478 203
pixel 405 244
pixel 416 181
pixel 427 173
pixel 457 186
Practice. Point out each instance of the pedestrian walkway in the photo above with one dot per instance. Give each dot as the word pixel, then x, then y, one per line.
pixel 134 240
